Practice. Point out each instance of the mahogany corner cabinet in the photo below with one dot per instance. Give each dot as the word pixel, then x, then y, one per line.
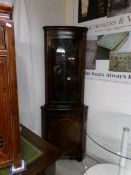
pixel 64 114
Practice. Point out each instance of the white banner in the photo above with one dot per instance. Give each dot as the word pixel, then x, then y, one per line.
pixel 108 76
pixel 108 52
pixel 108 25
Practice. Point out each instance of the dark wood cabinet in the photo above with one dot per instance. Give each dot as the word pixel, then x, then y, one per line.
pixel 64 114
pixel 9 120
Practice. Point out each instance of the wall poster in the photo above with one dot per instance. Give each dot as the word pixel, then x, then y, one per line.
pixel 92 9
pixel 108 50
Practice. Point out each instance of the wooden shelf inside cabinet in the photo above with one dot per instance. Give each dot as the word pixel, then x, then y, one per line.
pixel 64 114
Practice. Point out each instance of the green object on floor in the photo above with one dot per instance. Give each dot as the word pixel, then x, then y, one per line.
pixel 29 154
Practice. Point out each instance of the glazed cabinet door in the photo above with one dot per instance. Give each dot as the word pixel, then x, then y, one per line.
pixel 64 60
pixel 65 70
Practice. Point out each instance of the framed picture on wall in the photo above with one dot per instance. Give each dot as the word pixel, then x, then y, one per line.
pixel 120 62
pixel 91 50
pixel 118 7
pixel 91 9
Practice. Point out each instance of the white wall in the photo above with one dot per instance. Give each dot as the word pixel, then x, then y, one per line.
pixel 69 12
pixel 29 37
pixel 109 110
pixel 43 13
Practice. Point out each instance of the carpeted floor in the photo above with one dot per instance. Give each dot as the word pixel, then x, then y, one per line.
pixel 73 167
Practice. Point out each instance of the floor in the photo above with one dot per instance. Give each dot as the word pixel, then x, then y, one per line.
pixel 73 167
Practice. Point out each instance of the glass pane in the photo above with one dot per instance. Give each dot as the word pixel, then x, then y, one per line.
pixel 66 69
pixel 2 38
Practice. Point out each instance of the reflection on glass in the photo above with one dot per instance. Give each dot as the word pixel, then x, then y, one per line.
pixel 66 58
pixel 60 50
